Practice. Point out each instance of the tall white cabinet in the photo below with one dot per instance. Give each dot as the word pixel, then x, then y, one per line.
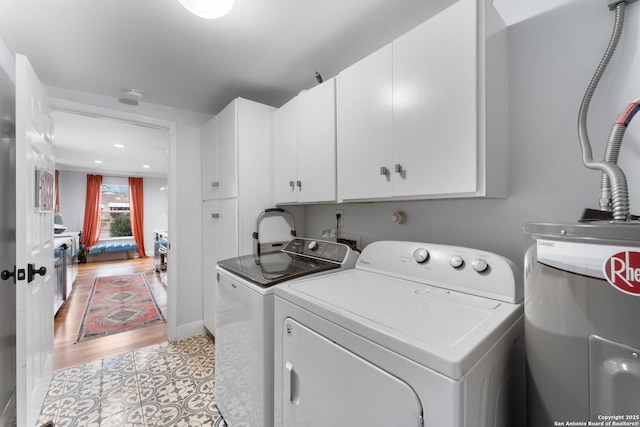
pixel 236 186
pixel 426 116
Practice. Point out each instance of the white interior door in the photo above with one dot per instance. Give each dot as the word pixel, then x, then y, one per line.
pixel 34 243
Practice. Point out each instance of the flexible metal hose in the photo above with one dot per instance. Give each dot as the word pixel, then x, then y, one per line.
pixel 612 150
pixel 619 190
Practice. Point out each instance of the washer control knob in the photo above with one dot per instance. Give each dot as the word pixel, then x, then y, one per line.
pixel 456 262
pixel 420 255
pixel 313 245
pixel 480 265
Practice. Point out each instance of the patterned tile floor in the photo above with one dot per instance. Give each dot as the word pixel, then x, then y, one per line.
pixel 169 384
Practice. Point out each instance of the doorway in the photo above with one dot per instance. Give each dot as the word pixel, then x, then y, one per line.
pixel 168 128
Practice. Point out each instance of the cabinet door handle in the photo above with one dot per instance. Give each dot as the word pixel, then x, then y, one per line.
pixel 215 215
pixel 299 184
pixel 292 184
pixel 215 185
pixel 384 171
pixel 399 168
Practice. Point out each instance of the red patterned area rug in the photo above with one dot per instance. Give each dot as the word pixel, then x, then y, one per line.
pixel 118 304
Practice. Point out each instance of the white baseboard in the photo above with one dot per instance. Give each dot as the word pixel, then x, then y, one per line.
pixel 190 330
pixel 9 415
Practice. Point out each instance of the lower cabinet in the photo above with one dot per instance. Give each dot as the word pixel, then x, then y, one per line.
pixel 219 241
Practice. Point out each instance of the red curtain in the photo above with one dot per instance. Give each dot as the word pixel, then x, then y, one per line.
pixel 57 205
pixel 92 214
pixel 136 208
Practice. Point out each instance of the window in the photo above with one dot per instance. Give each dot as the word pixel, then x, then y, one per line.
pixel 115 220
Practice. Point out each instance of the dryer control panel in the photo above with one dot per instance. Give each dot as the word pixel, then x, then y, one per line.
pixel 456 268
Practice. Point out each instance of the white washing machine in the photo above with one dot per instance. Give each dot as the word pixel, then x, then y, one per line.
pixel 417 334
pixel 244 323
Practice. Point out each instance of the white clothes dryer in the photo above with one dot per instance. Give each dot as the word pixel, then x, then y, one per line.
pixel 417 334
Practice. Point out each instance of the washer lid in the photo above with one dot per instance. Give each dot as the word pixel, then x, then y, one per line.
pixel 445 330
pixel 269 269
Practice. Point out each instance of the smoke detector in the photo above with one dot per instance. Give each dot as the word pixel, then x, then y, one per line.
pixel 131 97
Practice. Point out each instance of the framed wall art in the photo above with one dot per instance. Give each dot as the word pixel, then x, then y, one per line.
pixel 44 190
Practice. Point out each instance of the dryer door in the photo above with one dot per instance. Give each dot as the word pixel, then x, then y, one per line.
pixel 325 384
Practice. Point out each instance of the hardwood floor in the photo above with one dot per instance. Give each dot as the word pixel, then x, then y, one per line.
pixel 67 322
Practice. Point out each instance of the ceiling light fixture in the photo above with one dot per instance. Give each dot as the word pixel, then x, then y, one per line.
pixel 131 97
pixel 208 9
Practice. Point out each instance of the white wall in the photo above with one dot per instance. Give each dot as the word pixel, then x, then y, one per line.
pixel 554 49
pixel 72 187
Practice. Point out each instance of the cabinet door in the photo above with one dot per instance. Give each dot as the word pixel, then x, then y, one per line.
pixel 316 153
pixel 364 127
pixel 227 229
pixel 435 104
pixel 219 241
pixel 285 136
pixel 209 260
pixel 325 384
pixel 227 151
pixel 208 160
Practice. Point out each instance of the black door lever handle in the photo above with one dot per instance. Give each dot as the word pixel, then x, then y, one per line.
pixel 32 271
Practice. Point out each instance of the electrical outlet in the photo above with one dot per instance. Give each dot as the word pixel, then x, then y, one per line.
pixel 351 240
pixel 340 221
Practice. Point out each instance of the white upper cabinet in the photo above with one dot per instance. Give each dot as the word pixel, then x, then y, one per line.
pixel 365 127
pixel 316 153
pixel 305 147
pixel 208 159
pixel 435 105
pixel 444 134
pixel 285 142
pixel 219 151
pixel 227 150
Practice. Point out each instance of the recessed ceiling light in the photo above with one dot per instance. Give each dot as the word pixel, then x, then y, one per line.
pixel 146 166
pixel 118 145
pixel 97 161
